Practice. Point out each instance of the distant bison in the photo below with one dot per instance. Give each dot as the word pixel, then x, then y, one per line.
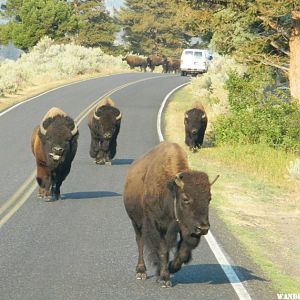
pixel 172 65
pixel 54 145
pixel 154 61
pixel 195 122
pixel 135 61
pixel 164 198
pixel 104 122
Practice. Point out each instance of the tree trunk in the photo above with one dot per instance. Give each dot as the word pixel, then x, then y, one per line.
pixel 294 43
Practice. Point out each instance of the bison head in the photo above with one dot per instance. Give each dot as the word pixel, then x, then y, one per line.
pixel 58 134
pixel 195 122
pixel 191 192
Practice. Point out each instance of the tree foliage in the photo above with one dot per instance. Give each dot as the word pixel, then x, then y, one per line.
pixel 255 31
pixel 85 22
pixel 96 27
pixel 154 27
pixel 30 20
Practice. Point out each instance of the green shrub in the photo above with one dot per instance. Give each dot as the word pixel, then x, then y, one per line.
pixel 258 115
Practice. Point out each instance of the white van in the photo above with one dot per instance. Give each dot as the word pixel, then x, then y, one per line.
pixel 194 61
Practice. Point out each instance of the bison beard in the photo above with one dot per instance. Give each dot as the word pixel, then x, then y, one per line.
pixel 54 145
pixel 164 199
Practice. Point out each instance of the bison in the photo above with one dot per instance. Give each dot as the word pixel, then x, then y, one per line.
pixel 164 199
pixel 54 145
pixel 136 61
pixel 154 60
pixel 195 122
pixel 172 65
pixel 104 122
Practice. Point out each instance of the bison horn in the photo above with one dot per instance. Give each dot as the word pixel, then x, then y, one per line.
pixel 95 116
pixel 75 129
pixel 186 116
pixel 119 117
pixel 42 129
pixel 179 182
pixel 203 116
pixel 215 180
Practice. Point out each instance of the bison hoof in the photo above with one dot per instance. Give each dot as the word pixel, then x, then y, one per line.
pixel 166 283
pixel 100 162
pixel 173 269
pixel 108 163
pixel 49 199
pixel 141 276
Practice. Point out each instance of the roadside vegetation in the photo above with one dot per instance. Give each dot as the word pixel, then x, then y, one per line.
pixel 258 193
pixel 49 64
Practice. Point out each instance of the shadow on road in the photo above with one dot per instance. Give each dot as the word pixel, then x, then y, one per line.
pixel 210 273
pixel 89 195
pixel 123 161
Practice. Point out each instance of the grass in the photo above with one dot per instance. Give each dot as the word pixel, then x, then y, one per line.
pixel 255 197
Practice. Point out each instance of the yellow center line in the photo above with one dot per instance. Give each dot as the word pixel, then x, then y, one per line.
pixel 19 197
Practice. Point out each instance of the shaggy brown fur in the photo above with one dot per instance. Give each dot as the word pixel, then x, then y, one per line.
pixel 103 102
pixel 198 105
pixel 155 60
pixel 136 61
pixel 195 123
pixel 104 123
pixel 152 184
pixel 52 112
pixel 53 155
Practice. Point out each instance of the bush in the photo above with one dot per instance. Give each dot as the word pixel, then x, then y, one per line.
pixel 48 62
pixel 209 88
pixel 258 116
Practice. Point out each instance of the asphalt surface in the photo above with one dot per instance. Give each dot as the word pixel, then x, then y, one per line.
pixel 83 246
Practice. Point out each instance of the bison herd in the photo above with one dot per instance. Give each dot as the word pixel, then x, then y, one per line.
pixel 168 64
pixel 166 201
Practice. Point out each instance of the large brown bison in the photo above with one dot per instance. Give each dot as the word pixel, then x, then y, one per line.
pixel 195 122
pixel 54 145
pixel 135 61
pixel 104 122
pixel 154 61
pixel 164 199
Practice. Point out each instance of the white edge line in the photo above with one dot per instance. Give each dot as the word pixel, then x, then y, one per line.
pixel 213 244
pixel 52 90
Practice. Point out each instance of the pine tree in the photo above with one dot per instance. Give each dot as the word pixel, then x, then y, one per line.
pixel 151 27
pixel 97 28
pixel 30 20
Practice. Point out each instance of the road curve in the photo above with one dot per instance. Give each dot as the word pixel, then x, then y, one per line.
pixel 83 246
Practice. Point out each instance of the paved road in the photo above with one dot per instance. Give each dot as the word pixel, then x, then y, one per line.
pixel 83 246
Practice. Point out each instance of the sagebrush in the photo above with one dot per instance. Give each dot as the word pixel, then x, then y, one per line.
pixel 50 61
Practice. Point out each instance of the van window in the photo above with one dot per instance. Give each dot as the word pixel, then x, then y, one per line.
pixel 198 54
pixel 189 53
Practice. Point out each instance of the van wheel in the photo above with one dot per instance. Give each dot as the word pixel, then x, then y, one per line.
pixel 183 73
